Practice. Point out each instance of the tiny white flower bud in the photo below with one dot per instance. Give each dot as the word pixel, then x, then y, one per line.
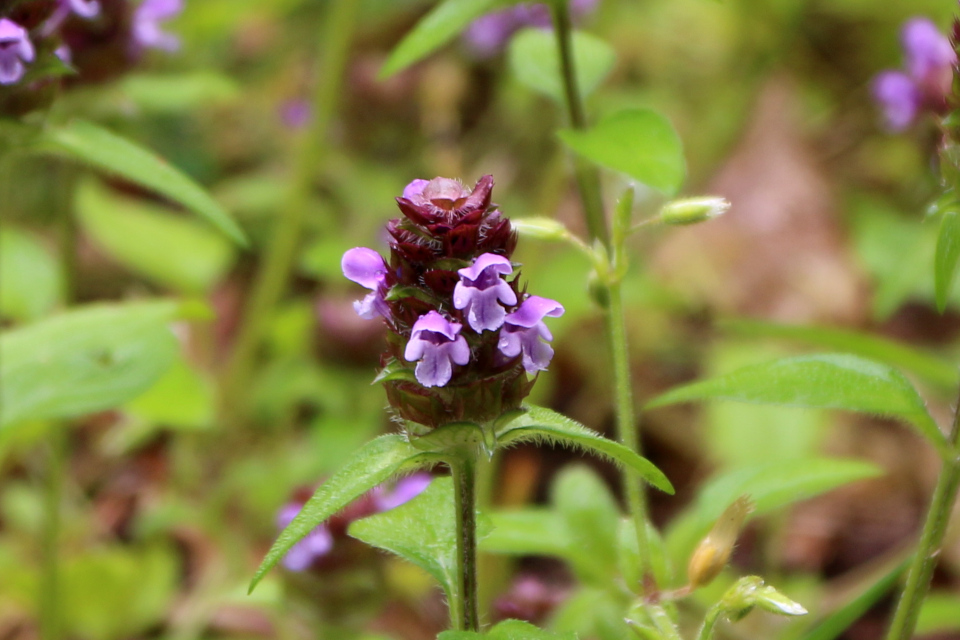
pixel 693 210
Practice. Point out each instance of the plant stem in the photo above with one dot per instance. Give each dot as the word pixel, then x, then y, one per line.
pixel 709 622
pixel 271 279
pixel 666 627
pixel 463 606
pixel 588 178
pixel 626 421
pixel 931 539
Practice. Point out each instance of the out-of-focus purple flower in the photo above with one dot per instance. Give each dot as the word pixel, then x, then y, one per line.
pixel 481 288
pixel 523 329
pixel 15 50
pixel 930 59
pixel 367 268
pixel 147 33
pixel 405 490
pixel 489 33
pixel 295 114
pixel 63 52
pixel 83 8
pixel 899 97
pixel 315 545
pixel 436 345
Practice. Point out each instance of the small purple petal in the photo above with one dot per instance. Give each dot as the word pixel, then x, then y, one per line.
pixel 435 323
pixel 435 344
pixel 15 49
pixel 364 266
pixel 296 113
pixel 146 24
pixel 317 543
pixel 404 491
pixel 927 50
pixel 415 188
pixel 491 261
pixel 898 97
pixel 524 331
pixel 84 8
pixel 533 310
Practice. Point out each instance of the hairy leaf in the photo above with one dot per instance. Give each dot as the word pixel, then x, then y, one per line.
pixel 826 381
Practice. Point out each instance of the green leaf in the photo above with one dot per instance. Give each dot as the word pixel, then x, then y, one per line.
pixel 539 424
pixel 771 486
pixel 948 252
pixel 927 366
pixel 508 630
pixel 638 142
pixel 531 531
pixel 170 250
pixel 99 148
pixel 182 399
pixel 179 92
pixel 86 360
pixel 826 381
pixel 437 28
pixel 535 61
pixel 422 532
pixel 30 282
pixel 592 518
pixel 940 613
pixel 378 461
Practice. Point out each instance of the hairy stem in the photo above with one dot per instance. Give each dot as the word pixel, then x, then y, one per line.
pixel 588 178
pixel 271 280
pixel 931 539
pixel 463 606
pixel 709 622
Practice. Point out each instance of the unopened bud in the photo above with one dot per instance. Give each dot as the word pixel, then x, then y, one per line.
pixel 713 552
pixel 693 210
pixel 750 592
pixel 540 228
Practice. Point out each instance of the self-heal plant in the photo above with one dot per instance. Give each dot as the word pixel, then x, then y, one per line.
pixel 15 51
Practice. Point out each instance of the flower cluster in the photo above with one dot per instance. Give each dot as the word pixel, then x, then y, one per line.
pixel 112 33
pixel 925 84
pixel 320 543
pixel 489 33
pixel 454 314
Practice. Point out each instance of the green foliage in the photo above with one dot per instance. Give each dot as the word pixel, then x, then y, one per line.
pixel 376 462
pixel 82 361
pixel 591 518
pixel 30 280
pixel 540 424
pixel 536 63
pixel 948 253
pixel 940 613
pixel 508 630
pixel 437 28
pixel 168 249
pixel 178 93
pixel 827 381
pixel 92 145
pixel 638 142
pixel 421 532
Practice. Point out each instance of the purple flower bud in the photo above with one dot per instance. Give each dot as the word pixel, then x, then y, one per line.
pixel 367 268
pixel 316 544
pixel 146 24
pixel 523 329
pixel 403 492
pixel 928 52
pixel 436 344
pixel 898 97
pixel 479 290
pixel 15 49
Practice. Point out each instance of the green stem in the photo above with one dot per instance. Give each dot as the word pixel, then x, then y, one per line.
pixel 931 540
pixel 709 622
pixel 271 280
pixel 463 605
pixel 588 178
pixel 666 627
pixel 626 421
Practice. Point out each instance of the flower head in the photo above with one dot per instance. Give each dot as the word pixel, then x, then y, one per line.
pixel 15 50
pixel 367 268
pixel 481 289
pixel 523 329
pixel 147 33
pixel 436 345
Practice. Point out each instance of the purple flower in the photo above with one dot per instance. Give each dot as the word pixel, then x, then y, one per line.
pixel 316 544
pixel 83 8
pixel 489 33
pixel 927 50
pixel 480 288
pixel 15 49
pixel 296 113
pixel 435 345
pixel 523 329
pixel 403 492
pixel 899 98
pixel 367 268
pixel 146 24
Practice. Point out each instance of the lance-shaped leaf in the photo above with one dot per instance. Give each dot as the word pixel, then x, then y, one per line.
pixel 824 381
pixel 376 462
pixel 101 149
pixel 948 253
pixel 421 531
pixel 86 360
pixel 540 424
pixel 437 28
pixel 638 142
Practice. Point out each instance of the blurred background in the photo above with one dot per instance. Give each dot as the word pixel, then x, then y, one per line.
pixel 169 503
